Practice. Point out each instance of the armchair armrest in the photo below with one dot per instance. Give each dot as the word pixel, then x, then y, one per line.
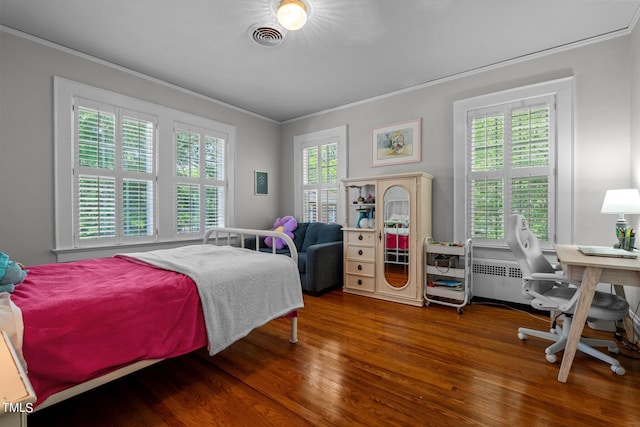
pixel 554 277
pixel 324 266
pixel 560 281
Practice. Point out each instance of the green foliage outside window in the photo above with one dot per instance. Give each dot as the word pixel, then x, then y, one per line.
pixel 96 139
pixel 96 155
pixel 199 205
pixel 320 173
pixel 514 147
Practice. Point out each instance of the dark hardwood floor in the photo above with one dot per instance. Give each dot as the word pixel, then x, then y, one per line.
pixel 362 361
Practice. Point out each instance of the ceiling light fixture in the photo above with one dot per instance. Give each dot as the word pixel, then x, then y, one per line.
pixel 292 14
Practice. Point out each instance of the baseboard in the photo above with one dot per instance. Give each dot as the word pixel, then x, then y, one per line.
pixel 507 304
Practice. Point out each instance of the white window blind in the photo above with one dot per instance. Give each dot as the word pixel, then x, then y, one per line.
pixel 200 179
pixel 114 174
pixel 511 167
pixel 320 182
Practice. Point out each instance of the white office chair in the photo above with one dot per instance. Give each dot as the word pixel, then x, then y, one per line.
pixel 549 290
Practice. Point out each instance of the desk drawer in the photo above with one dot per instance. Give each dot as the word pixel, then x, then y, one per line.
pixel 360 268
pixel 365 253
pixel 365 238
pixel 360 282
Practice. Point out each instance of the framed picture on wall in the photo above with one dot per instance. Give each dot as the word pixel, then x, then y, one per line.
pixel 396 143
pixel 261 183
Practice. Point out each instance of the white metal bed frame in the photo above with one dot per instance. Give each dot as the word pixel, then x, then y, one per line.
pixel 218 235
pixel 395 255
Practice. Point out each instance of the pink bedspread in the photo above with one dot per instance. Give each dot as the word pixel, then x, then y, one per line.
pixel 87 318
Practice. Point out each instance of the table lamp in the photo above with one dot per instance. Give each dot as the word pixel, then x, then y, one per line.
pixel 620 202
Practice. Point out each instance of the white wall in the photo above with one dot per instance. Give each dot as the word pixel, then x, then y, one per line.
pixel 607 130
pixel 27 68
pixel 633 294
pixel 605 95
pixel 602 122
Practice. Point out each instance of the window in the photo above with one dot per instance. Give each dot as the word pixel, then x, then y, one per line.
pixel 200 179
pixel 515 150
pixel 510 159
pixel 319 167
pixel 320 183
pixel 128 171
pixel 114 174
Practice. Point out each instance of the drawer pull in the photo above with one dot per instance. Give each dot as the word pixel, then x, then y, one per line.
pixel 360 252
pixel 360 237
pixel 359 281
pixel 359 267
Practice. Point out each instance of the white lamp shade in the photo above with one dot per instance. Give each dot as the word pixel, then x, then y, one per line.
pixel 292 14
pixel 625 201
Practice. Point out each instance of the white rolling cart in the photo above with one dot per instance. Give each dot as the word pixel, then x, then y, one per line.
pixel 448 276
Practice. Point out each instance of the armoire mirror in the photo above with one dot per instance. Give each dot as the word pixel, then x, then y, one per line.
pixel 396 236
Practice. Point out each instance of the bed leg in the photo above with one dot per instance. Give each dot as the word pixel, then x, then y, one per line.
pixel 294 330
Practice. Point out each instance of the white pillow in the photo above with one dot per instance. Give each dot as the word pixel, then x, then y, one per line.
pixel 11 323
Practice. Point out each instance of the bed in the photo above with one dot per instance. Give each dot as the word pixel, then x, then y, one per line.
pixel 84 323
pixel 396 231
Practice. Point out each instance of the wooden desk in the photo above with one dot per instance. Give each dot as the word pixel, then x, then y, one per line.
pixel 591 270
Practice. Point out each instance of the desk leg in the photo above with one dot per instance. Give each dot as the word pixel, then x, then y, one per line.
pixel 628 324
pixel 587 290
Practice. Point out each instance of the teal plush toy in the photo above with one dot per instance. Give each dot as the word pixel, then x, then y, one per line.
pixel 11 273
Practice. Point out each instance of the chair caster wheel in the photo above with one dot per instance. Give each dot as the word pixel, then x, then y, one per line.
pixel 552 358
pixel 460 311
pixel 522 336
pixel 619 370
pixel 613 350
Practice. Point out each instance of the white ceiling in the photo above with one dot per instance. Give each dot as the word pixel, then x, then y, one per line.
pixel 350 50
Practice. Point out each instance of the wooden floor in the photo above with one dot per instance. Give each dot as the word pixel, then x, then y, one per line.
pixel 362 361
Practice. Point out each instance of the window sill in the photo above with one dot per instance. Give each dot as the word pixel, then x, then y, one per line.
pixel 495 252
pixel 75 254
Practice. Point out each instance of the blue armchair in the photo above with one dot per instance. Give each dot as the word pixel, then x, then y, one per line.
pixel 319 248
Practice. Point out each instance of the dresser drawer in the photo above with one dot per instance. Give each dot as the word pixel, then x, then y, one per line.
pixel 363 268
pixel 364 253
pixel 360 282
pixel 365 238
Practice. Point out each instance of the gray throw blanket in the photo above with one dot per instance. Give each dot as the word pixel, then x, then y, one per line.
pixel 239 289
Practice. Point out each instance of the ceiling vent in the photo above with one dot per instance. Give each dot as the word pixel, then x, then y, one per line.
pixel 267 34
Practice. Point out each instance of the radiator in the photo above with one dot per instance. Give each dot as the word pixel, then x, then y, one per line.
pixel 498 280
